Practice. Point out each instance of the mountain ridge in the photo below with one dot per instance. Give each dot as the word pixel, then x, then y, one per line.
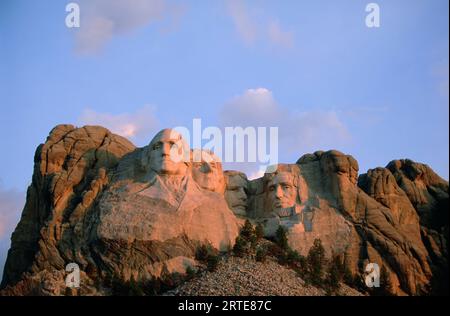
pixel 94 200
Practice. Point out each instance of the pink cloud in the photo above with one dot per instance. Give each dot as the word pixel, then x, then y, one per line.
pixel 11 205
pixel 140 124
pixel 280 37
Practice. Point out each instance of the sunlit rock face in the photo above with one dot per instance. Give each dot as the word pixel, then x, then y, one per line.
pixel 292 198
pixel 70 171
pixel 165 154
pixel 119 212
pixel 164 205
pixel 141 215
pixel 319 197
pixel 237 191
pixel 207 170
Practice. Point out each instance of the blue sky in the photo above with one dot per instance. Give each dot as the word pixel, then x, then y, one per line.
pixel 375 93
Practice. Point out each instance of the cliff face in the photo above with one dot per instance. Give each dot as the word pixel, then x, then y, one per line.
pixel 369 218
pixel 98 201
pixel 70 170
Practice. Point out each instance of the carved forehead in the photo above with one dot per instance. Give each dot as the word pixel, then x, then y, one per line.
pixel 167 135
pixel 236 180
pixel 282 177
pixel 202 155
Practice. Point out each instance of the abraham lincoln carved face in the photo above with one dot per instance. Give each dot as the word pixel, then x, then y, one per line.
pixel 281 191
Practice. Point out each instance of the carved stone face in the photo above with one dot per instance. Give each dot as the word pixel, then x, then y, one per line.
pixel 166 153
pixel 282 192
pixel 207 171
pixel 236 192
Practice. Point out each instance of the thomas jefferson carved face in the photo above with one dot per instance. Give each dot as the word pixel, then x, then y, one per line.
pixel 207 171
pixel 236 192
pixel 166 153
pixel 282 193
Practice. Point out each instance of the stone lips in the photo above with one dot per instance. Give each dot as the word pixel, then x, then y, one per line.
pixel 96 200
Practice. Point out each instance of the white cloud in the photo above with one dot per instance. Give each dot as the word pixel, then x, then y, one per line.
pixel 138 125
pixel 299 132
pixel 255 174
pixel 101 20
pixel 250 29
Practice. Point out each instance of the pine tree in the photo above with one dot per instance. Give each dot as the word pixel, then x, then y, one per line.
pixel 335 274
pixel 261 254
pixel 281 238
pixel 239 246
pixel 213 262
pixel 134 288
pixel 348 277
pixel 203 252
pixel 247 231
pixel 259 231
pixel 190 273
pixel 152 287
pixel 316 261
pixel 119 287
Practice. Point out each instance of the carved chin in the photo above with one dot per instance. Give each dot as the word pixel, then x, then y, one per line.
pixel 168 167
pixel 239 209
pixel 206 182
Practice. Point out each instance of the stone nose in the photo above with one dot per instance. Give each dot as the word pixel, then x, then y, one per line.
pixel 241 194
pixel 278 192
pixel 165 150
pixel 206 168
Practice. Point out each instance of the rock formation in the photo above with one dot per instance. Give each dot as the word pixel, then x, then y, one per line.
pixel 319 197
pixel 70 169
pixel 116 211
pixel 123 213
pixel 236 192
pixel 161 214
pixel 207 170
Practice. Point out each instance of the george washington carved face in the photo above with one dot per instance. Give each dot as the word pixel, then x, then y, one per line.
pixel 166 153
